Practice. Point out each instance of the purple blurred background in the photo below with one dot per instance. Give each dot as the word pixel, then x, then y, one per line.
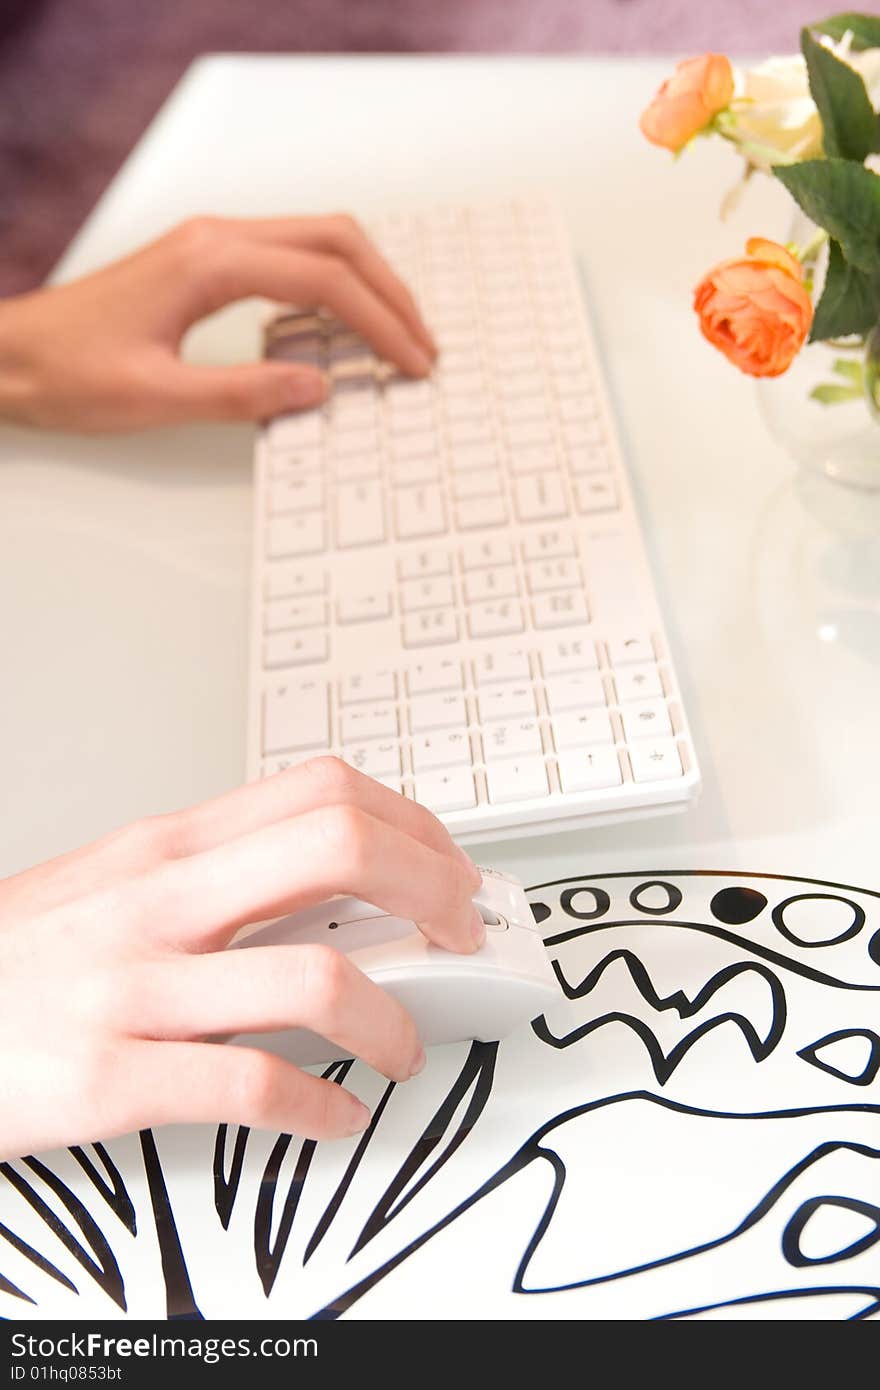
pixel 81 79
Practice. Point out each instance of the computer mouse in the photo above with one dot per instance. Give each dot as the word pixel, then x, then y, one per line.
pixel 452 998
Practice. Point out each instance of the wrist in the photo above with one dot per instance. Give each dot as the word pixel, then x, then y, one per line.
pixel 20 391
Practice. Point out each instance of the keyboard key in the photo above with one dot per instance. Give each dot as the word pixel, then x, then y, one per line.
pixel 443 748
pixel 595 495
pixel 363 723
pixel 579 728
pixel 295 463
pixel 575 691
pixel 304 494
pixel 423 564
pixel 483 554
pixel 569 654
pixel 510 664
pixel 529 432
pixel 540 459
pixel 416 472
pixel 358 467
pixel 519 779
pixel 636 647
pixel 482 482
pixel 560 610
pixel 585 770
pixel 436 711
pixel 419 512
pixel 402 393
pixel 442 674
pixel 296 715
pixel 540 497
pixel 654 760
pixel 415 445
pixel 357 688
pixel 295 649
pixel 417 594
pixel 451 789
pixel 587 459
pixel 548 545
pixel 378 758
pixel 486 584
pixel 285 580
pixel 359 443
pixel 430 629
pixel 478 512
pixel 646 719
pixel 510 738
pixel 506 701
pixel 283 614
pixel 640 682
pixel 532 407
pixel 474 457
pixel 295 535
pixel 295 431
pixel 363 608
pixel 475 430
pixel 583 434
pixel 495 619
pixel 360 514
pixel 553 574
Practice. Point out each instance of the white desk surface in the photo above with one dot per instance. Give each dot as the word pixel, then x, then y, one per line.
pixel 124 562
pixel 123 602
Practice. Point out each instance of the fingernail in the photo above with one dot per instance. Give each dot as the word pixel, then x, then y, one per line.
pixel 359 1118
pixel 305 390
pixel 418 1062
pixel 478 929
pixel 421 362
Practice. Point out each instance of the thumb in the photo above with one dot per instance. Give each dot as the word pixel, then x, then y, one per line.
pixel 253 391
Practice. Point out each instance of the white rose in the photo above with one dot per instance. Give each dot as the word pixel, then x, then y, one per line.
pixel 774 119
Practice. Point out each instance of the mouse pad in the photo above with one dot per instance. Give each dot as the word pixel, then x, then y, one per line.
pixel 691 1132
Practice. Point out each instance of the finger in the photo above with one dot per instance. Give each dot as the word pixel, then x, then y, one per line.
pixel 322 781
pixel 342 236
pixel 268 988
pixel 253 391
pixel 213 1083
pixel 200 902
pixel 312 279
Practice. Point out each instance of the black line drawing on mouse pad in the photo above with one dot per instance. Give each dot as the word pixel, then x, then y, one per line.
pixel 691 1132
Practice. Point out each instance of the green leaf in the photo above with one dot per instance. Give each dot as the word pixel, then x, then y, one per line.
pixel 844 198
pixel 849 124
pixel 865 29
pixel 853 371
pixel 850 303
pixel 834 395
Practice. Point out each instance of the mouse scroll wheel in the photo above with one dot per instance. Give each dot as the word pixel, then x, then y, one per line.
pixel 491 920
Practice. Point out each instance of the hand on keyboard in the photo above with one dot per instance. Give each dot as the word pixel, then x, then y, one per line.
pixel 115 986
pixel 102 353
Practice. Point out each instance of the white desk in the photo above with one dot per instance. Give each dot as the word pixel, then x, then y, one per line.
pixel 123 579
pixel 123 562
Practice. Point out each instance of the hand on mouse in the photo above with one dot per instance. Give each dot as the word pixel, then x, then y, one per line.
pixel 115 983
pixel 103 353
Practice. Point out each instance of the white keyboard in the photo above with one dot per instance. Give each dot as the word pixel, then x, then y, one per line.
pixel 450 587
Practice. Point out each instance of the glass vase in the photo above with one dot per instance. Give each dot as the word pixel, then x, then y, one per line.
pixel 825 410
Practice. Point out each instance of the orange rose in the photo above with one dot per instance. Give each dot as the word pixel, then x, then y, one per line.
pixel 697 90
pixel 756 311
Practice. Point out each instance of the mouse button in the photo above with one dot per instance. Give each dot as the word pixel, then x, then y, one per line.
pixel 506 899
pixel 492 920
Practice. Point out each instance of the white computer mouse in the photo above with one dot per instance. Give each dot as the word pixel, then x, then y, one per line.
pixel 452 998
